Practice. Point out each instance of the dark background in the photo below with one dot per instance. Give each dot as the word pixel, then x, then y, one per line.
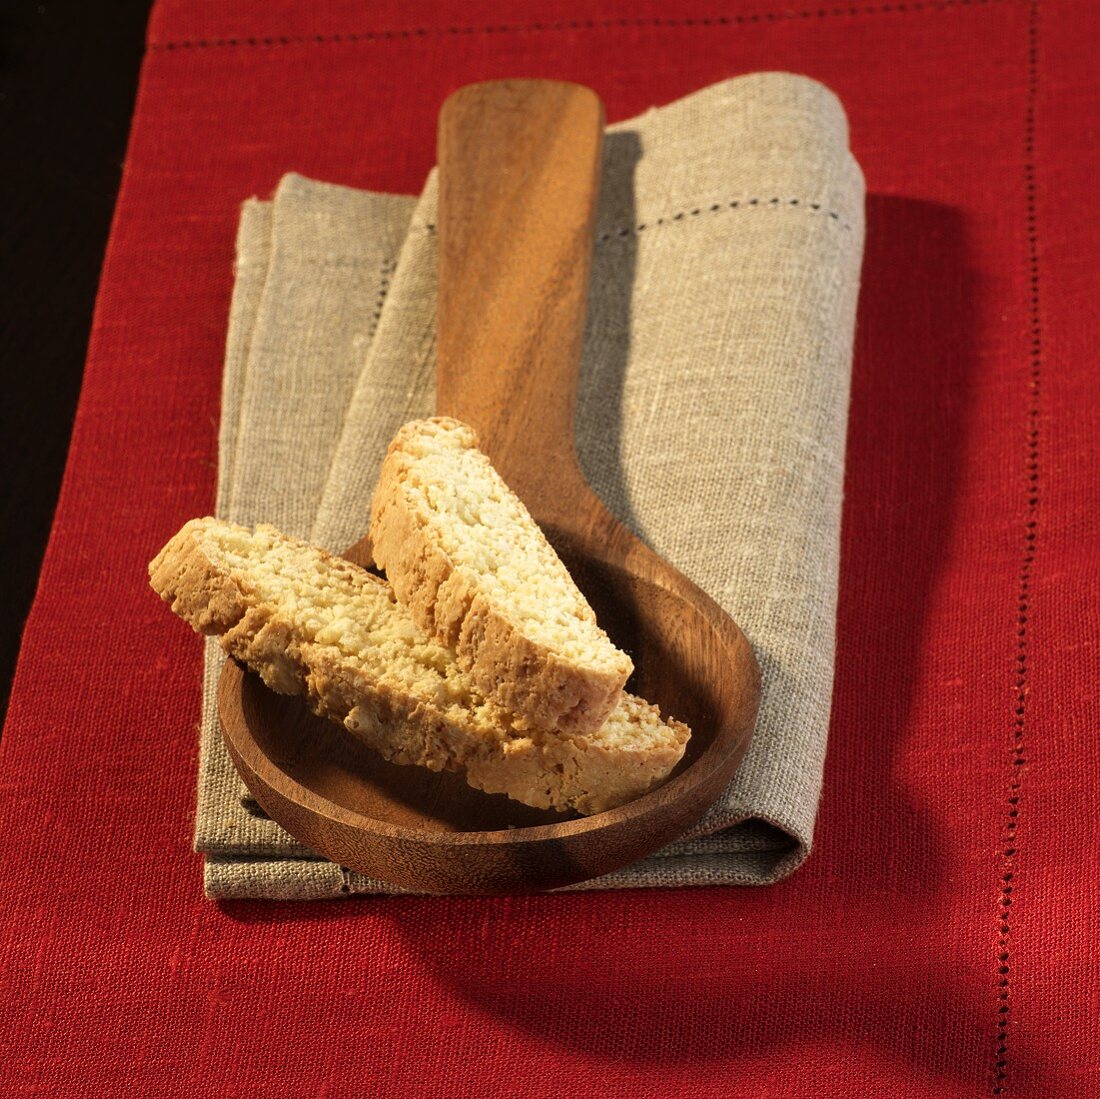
pixel 68 75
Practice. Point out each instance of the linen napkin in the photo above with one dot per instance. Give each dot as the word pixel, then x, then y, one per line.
pixel 711 419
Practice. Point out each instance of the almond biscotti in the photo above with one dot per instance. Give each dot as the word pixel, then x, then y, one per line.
pixel 316 625
pixel 464 555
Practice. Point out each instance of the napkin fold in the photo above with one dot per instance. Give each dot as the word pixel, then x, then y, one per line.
pixel 711 418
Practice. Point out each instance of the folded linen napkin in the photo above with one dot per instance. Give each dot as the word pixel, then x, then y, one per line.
pixel 711 418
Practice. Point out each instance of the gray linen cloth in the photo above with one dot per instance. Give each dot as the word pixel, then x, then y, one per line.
pixel 711 418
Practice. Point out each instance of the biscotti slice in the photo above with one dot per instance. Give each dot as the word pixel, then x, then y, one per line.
pixel 316 625
pixel 464 555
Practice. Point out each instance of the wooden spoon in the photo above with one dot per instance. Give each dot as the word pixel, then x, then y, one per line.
pixel 519 173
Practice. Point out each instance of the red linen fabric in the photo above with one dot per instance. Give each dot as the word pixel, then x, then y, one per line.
pixel 940 940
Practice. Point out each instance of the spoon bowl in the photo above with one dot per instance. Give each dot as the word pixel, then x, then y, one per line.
pixel 430 832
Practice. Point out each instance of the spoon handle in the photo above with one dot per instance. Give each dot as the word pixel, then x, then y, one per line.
pixel 519 164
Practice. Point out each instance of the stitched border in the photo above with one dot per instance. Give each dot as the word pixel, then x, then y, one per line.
pixel 385 276
pixel 336 263
pixel 1019 762
pixel 747 19
pixel 721 207
pixel 713 208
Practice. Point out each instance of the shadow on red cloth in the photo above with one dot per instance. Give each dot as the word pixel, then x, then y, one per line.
pixel 857 948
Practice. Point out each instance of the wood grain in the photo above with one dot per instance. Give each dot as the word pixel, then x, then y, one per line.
pixel 519 176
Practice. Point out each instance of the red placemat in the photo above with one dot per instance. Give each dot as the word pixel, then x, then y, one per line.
pixel 939 940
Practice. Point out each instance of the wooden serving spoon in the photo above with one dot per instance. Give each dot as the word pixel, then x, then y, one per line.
pixel 519 175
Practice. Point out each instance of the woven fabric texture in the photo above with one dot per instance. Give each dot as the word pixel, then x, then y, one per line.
pixel 711 418
pixel 311 270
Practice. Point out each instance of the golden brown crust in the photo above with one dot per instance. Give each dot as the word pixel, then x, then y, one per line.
pixel 524 676
pixel 541 770
pixel 205 597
